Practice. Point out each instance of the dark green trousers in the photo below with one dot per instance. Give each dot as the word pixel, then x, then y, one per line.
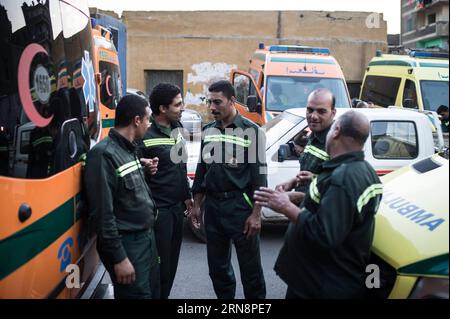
pixel 169 234
pixel 224 224
pixel 141 251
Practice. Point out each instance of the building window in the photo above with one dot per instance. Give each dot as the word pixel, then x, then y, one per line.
pixel 154 77
pixel 432 18
pixel 409 24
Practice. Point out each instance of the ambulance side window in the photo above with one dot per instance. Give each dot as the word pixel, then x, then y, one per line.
pixel 381 90
pixel 409 95
pixel 242 87
pixel 246 92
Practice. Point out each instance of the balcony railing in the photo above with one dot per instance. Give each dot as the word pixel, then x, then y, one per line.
pixel 424 31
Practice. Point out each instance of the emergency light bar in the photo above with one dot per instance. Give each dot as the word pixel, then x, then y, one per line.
pixel 419 54
pixel 298 49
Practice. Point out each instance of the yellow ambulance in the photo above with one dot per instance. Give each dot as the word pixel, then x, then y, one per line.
pixel 411 243
pixel 418 80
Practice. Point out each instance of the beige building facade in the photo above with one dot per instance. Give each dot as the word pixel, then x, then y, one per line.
pixel 193 49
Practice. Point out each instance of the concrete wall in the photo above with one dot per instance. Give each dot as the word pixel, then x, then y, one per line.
pixel 207 44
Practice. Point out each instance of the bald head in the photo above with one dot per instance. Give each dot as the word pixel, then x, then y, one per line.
pixel 323 95
pixel 355 125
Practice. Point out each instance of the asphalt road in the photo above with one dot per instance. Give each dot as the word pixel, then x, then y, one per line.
pixel 192 280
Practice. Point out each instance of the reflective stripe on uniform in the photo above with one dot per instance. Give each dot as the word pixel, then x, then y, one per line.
pixel 158 141
pixel 369 193
pixel 3 148
pixel 314 191
pixel 247 199
pixel 45 139
pixel 128 168
pixel 228 139
pixel 317 152
pixel 163 141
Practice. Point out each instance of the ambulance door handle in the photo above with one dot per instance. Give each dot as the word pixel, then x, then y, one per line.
pixel 24 212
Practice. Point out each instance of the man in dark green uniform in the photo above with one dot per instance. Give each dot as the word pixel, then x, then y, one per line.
pixel 327 245
pixel 121 207
pixel 232 166
pixel 170 186
pixel 320 112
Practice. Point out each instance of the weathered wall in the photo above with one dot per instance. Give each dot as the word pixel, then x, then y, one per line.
pixel 207 44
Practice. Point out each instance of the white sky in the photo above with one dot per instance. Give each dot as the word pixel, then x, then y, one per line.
pixel 389 8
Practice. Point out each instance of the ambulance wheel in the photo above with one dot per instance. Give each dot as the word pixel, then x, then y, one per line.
pixel 199 233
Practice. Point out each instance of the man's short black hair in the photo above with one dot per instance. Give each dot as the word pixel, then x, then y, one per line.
pixel 223 86
pixel 442 108
pixel 162 94
pixel 354 125
pixel 128 108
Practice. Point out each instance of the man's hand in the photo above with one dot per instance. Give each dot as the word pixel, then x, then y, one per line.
pixel 151 164
pixel 278 201
pixel 273 199
pixel 287 186
pixel 304 177
pixel 253 223
pixel 196 216
pixel 296 197
pixel 125 272
pixel 189 205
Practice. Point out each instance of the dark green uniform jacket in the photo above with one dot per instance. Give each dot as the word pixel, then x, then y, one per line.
pixel 314 155
pixel 326 252
pixel 119 199
pixel 229 159
pixel 169 185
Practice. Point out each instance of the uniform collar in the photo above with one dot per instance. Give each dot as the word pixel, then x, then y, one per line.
pixel 122 141
pixel 344 158
pixel 237 122
pixel 321 136
pixel 163 129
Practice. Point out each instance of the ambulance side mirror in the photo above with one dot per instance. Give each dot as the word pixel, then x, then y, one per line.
pixel 409 103
pixel 284 152
pixel 253 104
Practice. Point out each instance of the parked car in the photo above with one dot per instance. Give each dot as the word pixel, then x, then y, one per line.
pixel 397 138
pixel 191 120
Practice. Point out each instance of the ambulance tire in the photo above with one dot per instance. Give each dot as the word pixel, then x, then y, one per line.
pixel 200 233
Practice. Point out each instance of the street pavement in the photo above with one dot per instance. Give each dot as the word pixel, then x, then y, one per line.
pixel 192 280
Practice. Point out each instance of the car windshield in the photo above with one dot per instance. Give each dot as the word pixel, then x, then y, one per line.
pixel 279 126
pixel 285 92
pixel 434 94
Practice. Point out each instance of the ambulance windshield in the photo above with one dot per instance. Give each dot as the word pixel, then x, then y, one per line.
pixel 434 94
pixel 288 92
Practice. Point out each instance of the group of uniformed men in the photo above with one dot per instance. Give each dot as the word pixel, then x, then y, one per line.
pixel 138 194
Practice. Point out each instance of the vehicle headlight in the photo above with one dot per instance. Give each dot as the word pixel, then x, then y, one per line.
pixel 431 288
